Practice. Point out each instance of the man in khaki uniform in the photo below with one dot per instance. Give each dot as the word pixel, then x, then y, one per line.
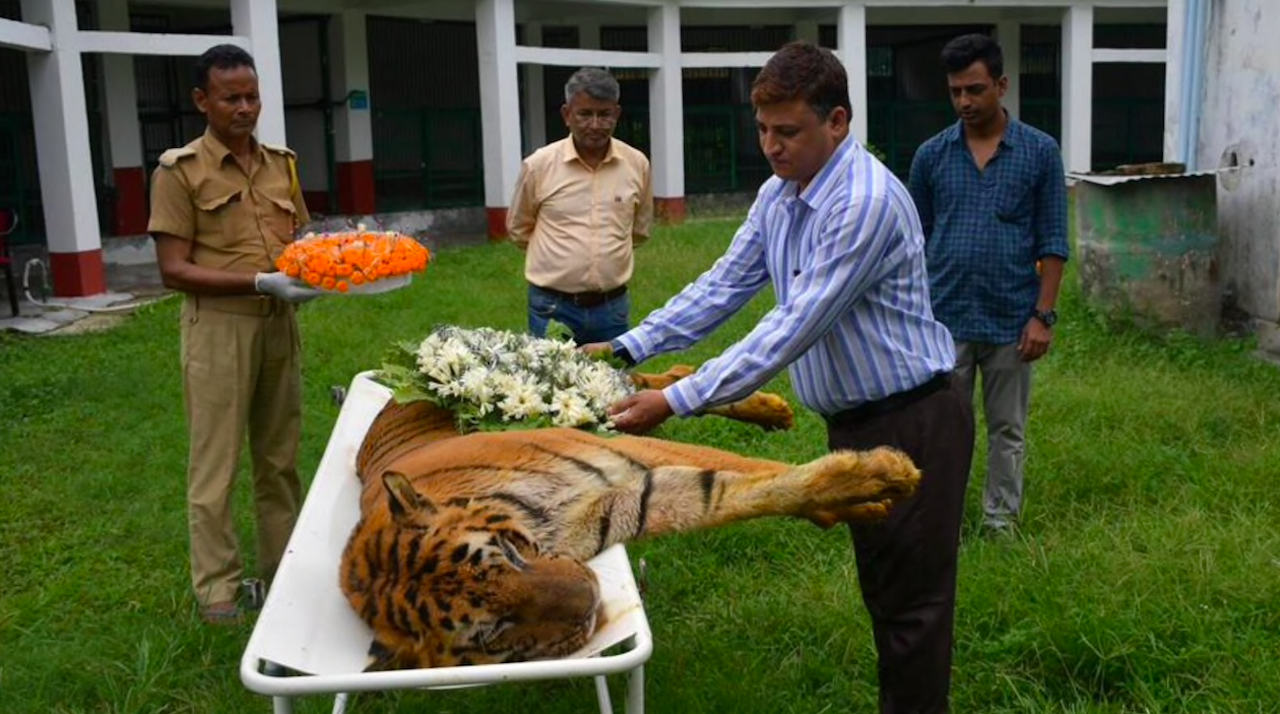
pixel 222 209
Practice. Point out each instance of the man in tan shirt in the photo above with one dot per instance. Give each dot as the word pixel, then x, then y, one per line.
pixel 222 209
pixel 580 206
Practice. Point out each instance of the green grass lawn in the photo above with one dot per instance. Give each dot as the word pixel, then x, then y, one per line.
pixel 1147 577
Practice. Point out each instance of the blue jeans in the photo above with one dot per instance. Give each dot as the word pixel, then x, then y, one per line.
pixel 599 323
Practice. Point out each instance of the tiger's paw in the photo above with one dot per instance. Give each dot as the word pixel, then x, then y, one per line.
pixel 767 410
pixel 646 380
pixel 858 486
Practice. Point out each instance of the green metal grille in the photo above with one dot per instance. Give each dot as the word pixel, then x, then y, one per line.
pixel 427 158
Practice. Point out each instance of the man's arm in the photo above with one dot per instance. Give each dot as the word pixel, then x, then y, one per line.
pixel 295 195
pixel 858 245
pixel 173 255
pixel 522 216
pixel 704 304
pixel 173 225
pixel 1052 249
pixel 920 185
pixel 643 223
pixel 1051 206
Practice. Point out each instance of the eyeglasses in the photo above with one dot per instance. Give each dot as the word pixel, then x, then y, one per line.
pixel 607 117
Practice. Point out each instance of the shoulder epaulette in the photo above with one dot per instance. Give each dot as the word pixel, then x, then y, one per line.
pixel 281 150
pixel 172 156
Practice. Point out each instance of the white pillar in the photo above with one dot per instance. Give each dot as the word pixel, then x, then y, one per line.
pixel 1009 34
pixel 852 35
pixel 535 98
pixel 62 146
pixel 256 20
pixel 349 72
pixel 499 106
pixel 1077 88
pixel 1176 58
pixel 122 95
pixel 807 31
pixel 666 105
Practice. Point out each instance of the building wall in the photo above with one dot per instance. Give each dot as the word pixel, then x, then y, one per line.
pixel 1238 125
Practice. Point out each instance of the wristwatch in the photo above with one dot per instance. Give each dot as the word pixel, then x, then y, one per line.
pixel 1048 317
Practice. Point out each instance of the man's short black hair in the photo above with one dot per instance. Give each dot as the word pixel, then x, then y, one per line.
pixel 220 57
pixel 964 50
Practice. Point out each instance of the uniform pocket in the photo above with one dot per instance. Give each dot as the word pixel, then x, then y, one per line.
pixel 215 217
pixel 284 218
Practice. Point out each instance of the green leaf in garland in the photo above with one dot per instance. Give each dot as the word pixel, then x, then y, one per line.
pixel 557 330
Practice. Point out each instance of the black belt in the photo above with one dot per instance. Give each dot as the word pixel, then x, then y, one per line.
pixel 893 402
pixel 587 299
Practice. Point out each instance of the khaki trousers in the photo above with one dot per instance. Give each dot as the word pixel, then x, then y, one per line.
pixel 241 373
pixel 1006 401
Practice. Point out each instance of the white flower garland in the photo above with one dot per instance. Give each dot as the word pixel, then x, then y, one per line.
pixel 494 379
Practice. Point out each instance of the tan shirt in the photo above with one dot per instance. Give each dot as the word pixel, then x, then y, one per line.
pixel 239 222
pixel 579 225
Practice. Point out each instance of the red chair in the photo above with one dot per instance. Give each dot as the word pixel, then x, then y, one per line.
pixel 8 224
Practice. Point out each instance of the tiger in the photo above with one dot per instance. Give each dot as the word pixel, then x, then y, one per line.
pixel 471 548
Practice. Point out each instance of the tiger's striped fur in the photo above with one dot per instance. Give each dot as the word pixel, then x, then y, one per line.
pixel 470 548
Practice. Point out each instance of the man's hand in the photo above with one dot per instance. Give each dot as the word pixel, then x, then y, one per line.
pixel 1035 340
pixel 641 412
pixel 284 287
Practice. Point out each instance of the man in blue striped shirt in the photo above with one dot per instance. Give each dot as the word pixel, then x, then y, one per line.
pixel 992 198
pixel 839 239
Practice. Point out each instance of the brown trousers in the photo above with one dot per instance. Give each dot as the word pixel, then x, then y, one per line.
pixel 907 564
pixel 241 373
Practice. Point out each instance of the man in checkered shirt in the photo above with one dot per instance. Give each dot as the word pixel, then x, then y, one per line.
pixel 992 200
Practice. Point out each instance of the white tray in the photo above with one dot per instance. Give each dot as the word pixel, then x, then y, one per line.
pixel 383 285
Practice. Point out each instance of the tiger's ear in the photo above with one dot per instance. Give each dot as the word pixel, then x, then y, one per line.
pixel 512 553
pixel 402 498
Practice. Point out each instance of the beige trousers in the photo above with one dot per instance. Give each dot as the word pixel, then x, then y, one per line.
pixel 241 373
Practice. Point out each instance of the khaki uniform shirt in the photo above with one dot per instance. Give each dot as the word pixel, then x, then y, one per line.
pixel 579 225
pixel 239 222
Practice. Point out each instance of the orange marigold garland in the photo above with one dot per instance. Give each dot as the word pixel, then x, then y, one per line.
pixel 342 261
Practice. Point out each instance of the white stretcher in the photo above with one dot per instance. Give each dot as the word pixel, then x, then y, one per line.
pixel 308 640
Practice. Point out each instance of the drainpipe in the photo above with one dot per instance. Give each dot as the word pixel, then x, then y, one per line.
pixel 1190 95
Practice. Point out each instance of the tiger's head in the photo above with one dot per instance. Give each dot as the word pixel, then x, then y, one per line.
pixel 456 583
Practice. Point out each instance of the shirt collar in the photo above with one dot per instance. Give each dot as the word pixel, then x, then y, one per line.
pixel 821 184
pixel 570 152
pixel 1012 131
pixel 219 151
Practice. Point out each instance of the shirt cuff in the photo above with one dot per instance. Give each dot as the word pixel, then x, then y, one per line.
pixel 683 397
pixel 622 353
pixel 633 344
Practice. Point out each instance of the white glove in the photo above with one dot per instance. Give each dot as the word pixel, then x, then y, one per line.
pixel 284 287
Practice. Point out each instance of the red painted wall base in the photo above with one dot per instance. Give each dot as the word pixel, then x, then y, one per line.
pixel 317 201
pixel 356 188
pixel 78 274
pixel 669 210
pixel 131 201
pixel 497 219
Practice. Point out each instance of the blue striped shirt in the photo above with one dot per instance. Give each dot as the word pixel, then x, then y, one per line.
pixel 985 230
pixel 852 320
